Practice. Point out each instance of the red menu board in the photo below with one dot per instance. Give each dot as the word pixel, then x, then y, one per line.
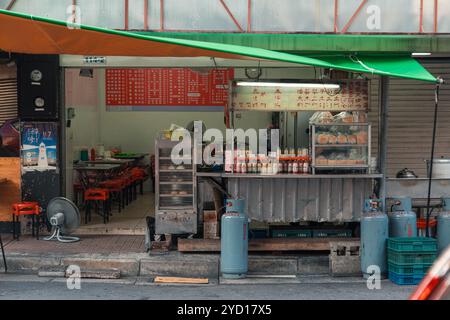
pixel 167 87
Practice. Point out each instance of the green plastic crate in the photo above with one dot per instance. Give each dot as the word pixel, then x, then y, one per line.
pixel 409 269
pixel 332 233
pixel 416 245
pixel 291 233
pixel 404 258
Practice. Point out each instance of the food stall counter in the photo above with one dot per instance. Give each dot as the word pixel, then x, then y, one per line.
pixel 289 176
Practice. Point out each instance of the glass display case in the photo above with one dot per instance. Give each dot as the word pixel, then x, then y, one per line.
pixel 175 196
pixel 340 146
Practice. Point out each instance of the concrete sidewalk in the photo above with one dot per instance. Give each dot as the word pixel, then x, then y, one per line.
pixel 127 254
pixel 170 264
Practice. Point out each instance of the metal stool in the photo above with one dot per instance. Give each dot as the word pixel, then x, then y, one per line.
pixel 27 209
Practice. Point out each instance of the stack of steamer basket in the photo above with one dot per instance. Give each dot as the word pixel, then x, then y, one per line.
pixel 410 258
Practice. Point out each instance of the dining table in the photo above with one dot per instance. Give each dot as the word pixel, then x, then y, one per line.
pixel 92 174
pixel 135 157
pixel 122 162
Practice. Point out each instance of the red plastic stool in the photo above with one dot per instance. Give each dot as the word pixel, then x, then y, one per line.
pixel 116 188
pixel 27 209
pixel 96 196
pixel 139 176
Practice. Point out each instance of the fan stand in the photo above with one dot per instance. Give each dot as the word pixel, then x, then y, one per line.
pixel 57 236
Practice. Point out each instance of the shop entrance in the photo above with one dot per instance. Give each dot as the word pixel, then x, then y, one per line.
pixel 107 139
pixel 108 166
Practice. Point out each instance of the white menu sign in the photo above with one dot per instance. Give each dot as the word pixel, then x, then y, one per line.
pixel 352 96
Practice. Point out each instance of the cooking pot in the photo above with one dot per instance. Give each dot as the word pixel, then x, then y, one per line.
pixel 406 173
pixel 441 168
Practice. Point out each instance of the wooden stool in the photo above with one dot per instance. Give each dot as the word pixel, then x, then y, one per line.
pixel 27 209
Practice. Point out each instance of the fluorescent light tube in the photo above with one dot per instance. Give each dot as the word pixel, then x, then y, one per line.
pixel 289 85
pixel 421 54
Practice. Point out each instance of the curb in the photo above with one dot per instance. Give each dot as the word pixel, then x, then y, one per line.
pixel 171 264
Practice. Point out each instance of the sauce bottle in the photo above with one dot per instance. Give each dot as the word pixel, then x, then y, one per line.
pixel 93 156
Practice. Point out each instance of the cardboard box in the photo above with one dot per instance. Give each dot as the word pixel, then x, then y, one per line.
pixel 211 230
pixel 210 216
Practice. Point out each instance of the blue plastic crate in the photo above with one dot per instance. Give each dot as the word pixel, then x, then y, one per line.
pixel 408 258
pixel 416 244
pixel 402 279
pixel 291 233
pixel 330 233
pixel 257 234
pixel 409 269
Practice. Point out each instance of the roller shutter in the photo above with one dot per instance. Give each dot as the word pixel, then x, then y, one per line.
pixel 8 99
pixel 411 112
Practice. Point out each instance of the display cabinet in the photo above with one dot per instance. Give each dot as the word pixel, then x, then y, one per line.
pixel 340 146
pixel 175 192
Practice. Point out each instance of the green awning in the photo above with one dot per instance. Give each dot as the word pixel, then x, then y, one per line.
pixel 320 43
pixel 24 33
pixel 402 66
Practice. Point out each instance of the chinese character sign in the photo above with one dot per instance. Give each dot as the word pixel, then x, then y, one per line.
pixel 351 96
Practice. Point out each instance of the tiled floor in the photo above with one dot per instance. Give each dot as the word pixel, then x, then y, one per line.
pixel 89 244
pixel 130 221
pixel 123 234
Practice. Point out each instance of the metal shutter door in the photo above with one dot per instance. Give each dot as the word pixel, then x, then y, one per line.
pixel 411 109
pixel 8 100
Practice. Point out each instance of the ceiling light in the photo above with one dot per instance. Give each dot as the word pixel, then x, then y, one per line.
pixel 421 54
pixel 290 85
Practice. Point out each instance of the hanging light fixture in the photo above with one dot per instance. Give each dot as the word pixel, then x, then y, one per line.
pixel 289 85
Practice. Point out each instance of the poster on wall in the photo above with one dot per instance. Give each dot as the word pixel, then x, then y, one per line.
pixel 167 89
pixel 39 146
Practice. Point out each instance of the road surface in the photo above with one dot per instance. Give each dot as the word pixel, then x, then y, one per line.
pixel 35 288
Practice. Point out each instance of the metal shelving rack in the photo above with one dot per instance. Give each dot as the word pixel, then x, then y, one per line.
pixel 175 192
pixel 315 146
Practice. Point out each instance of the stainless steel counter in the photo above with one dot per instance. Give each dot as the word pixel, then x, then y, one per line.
pixel 288 176
pixel 293 198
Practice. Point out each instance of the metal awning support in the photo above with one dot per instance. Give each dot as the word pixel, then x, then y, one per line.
pixel 384 117
pixel 433 145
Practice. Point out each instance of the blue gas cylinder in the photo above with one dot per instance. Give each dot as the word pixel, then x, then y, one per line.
pixel 443 226
pixel 234 241
pixel 235 205
pixel 374 233
pixel 402 220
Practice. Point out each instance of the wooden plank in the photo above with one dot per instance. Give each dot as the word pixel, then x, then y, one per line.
pixel 9 189
pixel 181 280
pixel 213 245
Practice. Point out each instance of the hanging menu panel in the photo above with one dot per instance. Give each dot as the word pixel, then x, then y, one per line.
pixel 167 87
pixel 351 96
